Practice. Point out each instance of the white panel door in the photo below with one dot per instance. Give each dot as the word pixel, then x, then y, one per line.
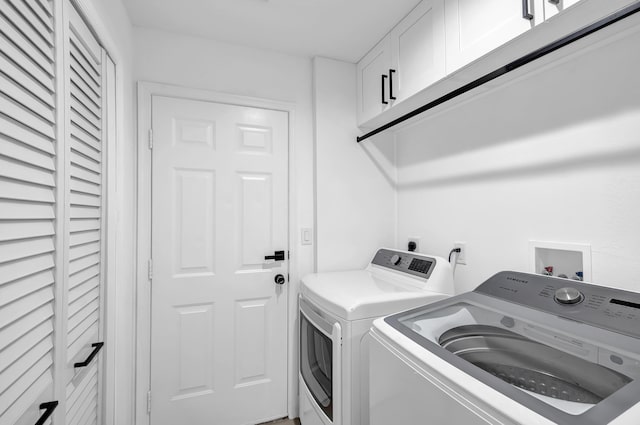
pixel 474 28
pixel 219 206
pixel 373 79
pixel 418 47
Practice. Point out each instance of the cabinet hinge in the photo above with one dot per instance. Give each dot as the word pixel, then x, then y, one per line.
pixel 150 138
pixel 150 269
pixel 148 402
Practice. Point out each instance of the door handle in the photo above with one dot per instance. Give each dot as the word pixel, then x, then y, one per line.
pixel 384 81
pixel 48 407
pixel 96 347
pixel 525 10
pixel 391 72
pixel 277 256
pixel 279 279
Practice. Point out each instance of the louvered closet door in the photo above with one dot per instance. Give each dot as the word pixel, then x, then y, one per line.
pixel 28 178
pixel 84 188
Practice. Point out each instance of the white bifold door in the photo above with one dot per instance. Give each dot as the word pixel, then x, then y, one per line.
pixel 219 319
pixel 52 232
pixel 84 231
pixel 28 208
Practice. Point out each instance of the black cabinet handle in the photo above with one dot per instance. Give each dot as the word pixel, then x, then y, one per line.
pixel 49 407
pixel 277 255
pixel 525 10
pixel 96 347
pixel 391 72
pixel 384 81
pixel 554 1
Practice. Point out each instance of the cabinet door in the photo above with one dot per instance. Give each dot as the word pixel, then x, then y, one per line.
pixel 474 28
pixel 552 8
pixel 418 47
pixel 372 84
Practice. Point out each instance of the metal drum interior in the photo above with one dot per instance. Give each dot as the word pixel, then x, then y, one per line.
pixel 531 365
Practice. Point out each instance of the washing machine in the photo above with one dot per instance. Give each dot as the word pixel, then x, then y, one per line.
pixel 336 313
pixel 519 349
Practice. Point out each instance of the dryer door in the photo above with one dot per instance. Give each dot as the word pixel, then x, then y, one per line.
pixel 320 343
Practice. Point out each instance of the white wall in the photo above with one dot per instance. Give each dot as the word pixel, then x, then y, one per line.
pixel 552 156
pixel 111 22
pixel 355 193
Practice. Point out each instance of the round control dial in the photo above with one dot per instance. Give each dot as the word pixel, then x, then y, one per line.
pixel 568 296
pixel 395 259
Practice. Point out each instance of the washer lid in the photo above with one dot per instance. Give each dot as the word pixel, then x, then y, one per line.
pixel 362 294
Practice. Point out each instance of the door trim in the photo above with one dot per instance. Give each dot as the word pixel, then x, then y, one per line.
pixel 146 91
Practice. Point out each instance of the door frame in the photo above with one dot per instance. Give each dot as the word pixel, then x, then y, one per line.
pixel 146 91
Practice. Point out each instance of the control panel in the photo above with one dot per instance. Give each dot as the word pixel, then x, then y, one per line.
pixel 406 262
pixel 608 308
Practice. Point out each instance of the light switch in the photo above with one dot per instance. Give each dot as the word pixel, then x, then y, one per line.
pixel 306 236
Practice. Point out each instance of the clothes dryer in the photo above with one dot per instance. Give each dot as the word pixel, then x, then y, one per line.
pixel 336 313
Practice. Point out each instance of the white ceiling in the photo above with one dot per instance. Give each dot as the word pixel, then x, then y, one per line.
pixel 340 29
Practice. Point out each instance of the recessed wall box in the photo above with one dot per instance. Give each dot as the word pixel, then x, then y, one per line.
pixel 560 259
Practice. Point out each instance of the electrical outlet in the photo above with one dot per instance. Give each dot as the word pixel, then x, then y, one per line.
pixel 461 258
pixel 415 239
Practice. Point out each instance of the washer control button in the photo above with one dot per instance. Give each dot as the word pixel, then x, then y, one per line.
pixel 568 296
pixel 395 259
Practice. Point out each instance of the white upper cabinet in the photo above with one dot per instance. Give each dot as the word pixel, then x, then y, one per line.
pixel 373 81
pixel 474 28
pixel 553 7
pixel 408 59
pixel 418 49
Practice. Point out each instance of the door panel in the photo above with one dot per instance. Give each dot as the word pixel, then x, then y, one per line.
pixel 194 222
pixel 251 344
pixel 219 206
pixel 254 229
pixel 195 349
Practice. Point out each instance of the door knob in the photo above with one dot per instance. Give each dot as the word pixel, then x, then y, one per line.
pixel 279 279
pixel 277 256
